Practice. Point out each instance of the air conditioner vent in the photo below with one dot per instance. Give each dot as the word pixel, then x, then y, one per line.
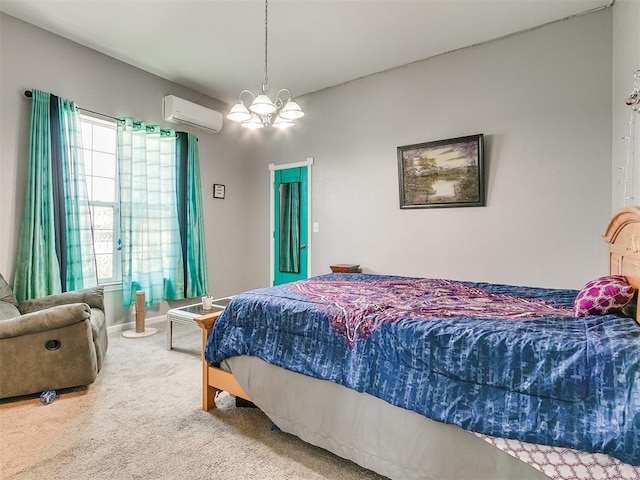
pixel 178 110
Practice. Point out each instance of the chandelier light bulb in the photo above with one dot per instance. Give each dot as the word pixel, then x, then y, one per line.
pixel 262 105
pixel 281 122
pixel 291 111
pixel 253 123
pixel 239 112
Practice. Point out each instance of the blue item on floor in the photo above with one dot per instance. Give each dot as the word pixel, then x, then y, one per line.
pixel 47 397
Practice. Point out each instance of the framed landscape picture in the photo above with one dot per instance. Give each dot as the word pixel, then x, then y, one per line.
pixel 444 173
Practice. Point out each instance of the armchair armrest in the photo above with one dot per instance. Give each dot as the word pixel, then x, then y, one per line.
pixel 43 320
pixel 94 297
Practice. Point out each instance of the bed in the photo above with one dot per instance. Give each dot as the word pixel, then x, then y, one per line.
pixel 441 379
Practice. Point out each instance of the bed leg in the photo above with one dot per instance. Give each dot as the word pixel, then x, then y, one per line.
pixel 208 398
pixel 208 392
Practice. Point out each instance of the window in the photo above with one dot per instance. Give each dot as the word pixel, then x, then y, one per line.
pixel 101 170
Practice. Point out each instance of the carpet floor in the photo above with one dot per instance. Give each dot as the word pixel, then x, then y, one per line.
pixel 142 419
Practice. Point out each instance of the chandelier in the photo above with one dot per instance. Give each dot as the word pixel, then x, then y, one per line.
pixel 279 113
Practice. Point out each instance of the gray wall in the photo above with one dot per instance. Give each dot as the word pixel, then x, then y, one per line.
pixel 34 58
pixel 543 100
pixel 626 60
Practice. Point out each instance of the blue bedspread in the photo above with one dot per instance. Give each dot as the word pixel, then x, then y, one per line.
pixel 528 370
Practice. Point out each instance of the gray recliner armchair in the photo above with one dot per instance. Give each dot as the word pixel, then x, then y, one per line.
pixel 51 342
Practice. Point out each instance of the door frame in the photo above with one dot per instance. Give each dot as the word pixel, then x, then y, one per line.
pixel 272 178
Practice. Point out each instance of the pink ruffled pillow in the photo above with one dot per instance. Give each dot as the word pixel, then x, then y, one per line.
pixel 603 295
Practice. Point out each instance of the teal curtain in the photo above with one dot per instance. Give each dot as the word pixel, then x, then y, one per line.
pixel 189 188
pixel 151 245
pixel 55 249
pixel 37 268
pixel 290 227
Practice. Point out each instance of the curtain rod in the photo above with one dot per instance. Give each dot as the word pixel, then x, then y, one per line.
pixel 29 94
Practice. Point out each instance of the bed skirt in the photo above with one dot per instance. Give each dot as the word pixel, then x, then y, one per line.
pixel 389 440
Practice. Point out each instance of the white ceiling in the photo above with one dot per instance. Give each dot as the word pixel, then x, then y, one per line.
pixel 217 47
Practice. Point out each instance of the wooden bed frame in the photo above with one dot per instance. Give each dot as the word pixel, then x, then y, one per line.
pixel 215 379
pixel 622 235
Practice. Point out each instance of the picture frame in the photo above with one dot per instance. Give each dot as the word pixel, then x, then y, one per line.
pixel 218 190
pixel 443 173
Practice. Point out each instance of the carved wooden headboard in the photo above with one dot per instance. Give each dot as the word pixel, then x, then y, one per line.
pixel 623 236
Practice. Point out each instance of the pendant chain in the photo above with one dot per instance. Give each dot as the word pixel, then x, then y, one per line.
pixel 266 29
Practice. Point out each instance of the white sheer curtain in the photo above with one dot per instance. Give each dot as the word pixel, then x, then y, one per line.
pixel 151 245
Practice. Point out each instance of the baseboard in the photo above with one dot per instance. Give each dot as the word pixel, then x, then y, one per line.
pixel 131 325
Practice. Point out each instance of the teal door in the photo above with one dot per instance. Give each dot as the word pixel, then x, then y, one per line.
pixel 290 224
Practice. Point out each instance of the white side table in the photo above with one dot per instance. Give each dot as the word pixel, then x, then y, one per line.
pixel 188 314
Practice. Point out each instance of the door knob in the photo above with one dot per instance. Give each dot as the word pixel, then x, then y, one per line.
pixel 303 245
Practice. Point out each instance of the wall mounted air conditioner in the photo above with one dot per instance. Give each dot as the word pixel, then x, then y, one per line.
pixel 178 110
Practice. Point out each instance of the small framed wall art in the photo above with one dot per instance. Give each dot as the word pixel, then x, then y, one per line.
pixel 218 190
pixel 444 173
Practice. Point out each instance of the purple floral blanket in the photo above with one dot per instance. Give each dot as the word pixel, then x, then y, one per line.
pixel 356 309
